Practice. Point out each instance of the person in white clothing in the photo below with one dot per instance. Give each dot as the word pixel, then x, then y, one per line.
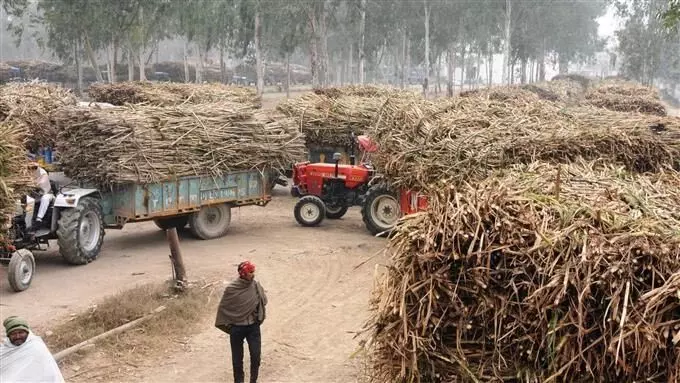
pixel 42 182
pixel 24 357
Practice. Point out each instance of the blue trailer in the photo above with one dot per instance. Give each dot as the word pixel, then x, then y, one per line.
pixel 202 202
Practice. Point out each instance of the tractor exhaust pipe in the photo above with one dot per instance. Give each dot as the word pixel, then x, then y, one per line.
pixel 352 149
pixel 336 158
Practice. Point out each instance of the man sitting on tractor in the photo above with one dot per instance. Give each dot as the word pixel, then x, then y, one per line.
pixel 42 183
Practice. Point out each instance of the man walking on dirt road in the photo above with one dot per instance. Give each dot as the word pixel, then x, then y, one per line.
pixel 240 314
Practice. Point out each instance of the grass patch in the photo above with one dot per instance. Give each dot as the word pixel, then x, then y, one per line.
pixel 182 313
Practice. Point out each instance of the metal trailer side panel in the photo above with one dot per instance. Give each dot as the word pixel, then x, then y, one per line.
pixel 137 202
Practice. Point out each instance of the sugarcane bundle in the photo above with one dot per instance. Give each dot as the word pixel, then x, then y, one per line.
pixel 329 121
pixel 148 144
pixel 31 107
pixel 14 177
pixel 565 91
pixel 540 272
pixel 466 138
pixel 509 95
pixel 584 81
pixel 365 91
pixel 623 96
pixel 170 94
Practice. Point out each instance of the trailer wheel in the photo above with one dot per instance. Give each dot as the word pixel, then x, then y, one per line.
pixel 80 232
pixel 168 223
pixel 211 221
pixel 380 211
pixel 20 270
pixel 335 212
pixel 309 211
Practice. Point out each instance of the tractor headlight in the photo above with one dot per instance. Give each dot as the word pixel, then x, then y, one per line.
pixel 8 222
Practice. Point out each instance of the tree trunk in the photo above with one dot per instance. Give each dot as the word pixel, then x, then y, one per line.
pixel 563 64
pixel 200 65
pixel 512 72
pixel 259 67
pixel 186 62
pixel 323 38
pixel 439 82
pixel 131 64
pixel 506 45
pixel 142 66
pixel 314 48
pixel 427 48
pixel 478 70
pixel 523 68
pixel 79 68
pixel 116 48
pixel 351 64
pixel 288 75
pixel 93 59
pixel 408 61
pixel 462 66
pixel 142 71
pixel 338 73
pixel 489 65
pixel 223 68
pixel 450 68
pixel 108 64
pixel 362 41
pixel 404 75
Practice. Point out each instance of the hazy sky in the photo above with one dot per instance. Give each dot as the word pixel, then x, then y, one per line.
pixel 609 23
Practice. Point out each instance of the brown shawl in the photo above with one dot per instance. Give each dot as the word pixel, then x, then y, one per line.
pixel 240 300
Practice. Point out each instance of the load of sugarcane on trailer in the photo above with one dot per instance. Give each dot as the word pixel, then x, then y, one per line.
pixel 174 165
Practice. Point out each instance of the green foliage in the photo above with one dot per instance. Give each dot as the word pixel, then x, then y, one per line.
pixel 649 50
pixel 671 17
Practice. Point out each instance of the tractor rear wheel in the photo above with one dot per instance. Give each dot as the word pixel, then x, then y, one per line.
pixel 80 232
pixel 380 211
pixel 168 223
pixel 310 211
pixel 211 221
pixel 335 212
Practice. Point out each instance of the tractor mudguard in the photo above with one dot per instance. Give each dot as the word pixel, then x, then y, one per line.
pixel 70 198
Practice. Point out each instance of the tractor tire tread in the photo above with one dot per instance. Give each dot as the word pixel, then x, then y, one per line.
pixel 366 214
pixel 67 232
pixel 309 199
pixel 196 226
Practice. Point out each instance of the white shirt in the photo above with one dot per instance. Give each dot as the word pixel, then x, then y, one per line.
pixel 42 180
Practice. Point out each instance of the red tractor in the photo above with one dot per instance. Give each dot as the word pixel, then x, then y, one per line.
pixel 328 190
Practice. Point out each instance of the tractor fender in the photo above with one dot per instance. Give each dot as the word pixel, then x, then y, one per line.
pixel 70 198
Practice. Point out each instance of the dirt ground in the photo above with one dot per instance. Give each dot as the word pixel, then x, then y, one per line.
pixel 317 295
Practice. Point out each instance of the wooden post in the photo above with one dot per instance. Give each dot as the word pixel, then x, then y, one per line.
pixel 178 270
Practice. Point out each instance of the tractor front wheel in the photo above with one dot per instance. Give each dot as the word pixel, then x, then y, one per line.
pixel 310 211
pixel 380 211
pixel 20 270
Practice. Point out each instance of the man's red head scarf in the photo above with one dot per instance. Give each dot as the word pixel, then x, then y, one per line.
pixel 245 268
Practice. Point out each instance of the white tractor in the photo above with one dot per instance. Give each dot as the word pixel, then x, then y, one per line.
pixel 74 219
